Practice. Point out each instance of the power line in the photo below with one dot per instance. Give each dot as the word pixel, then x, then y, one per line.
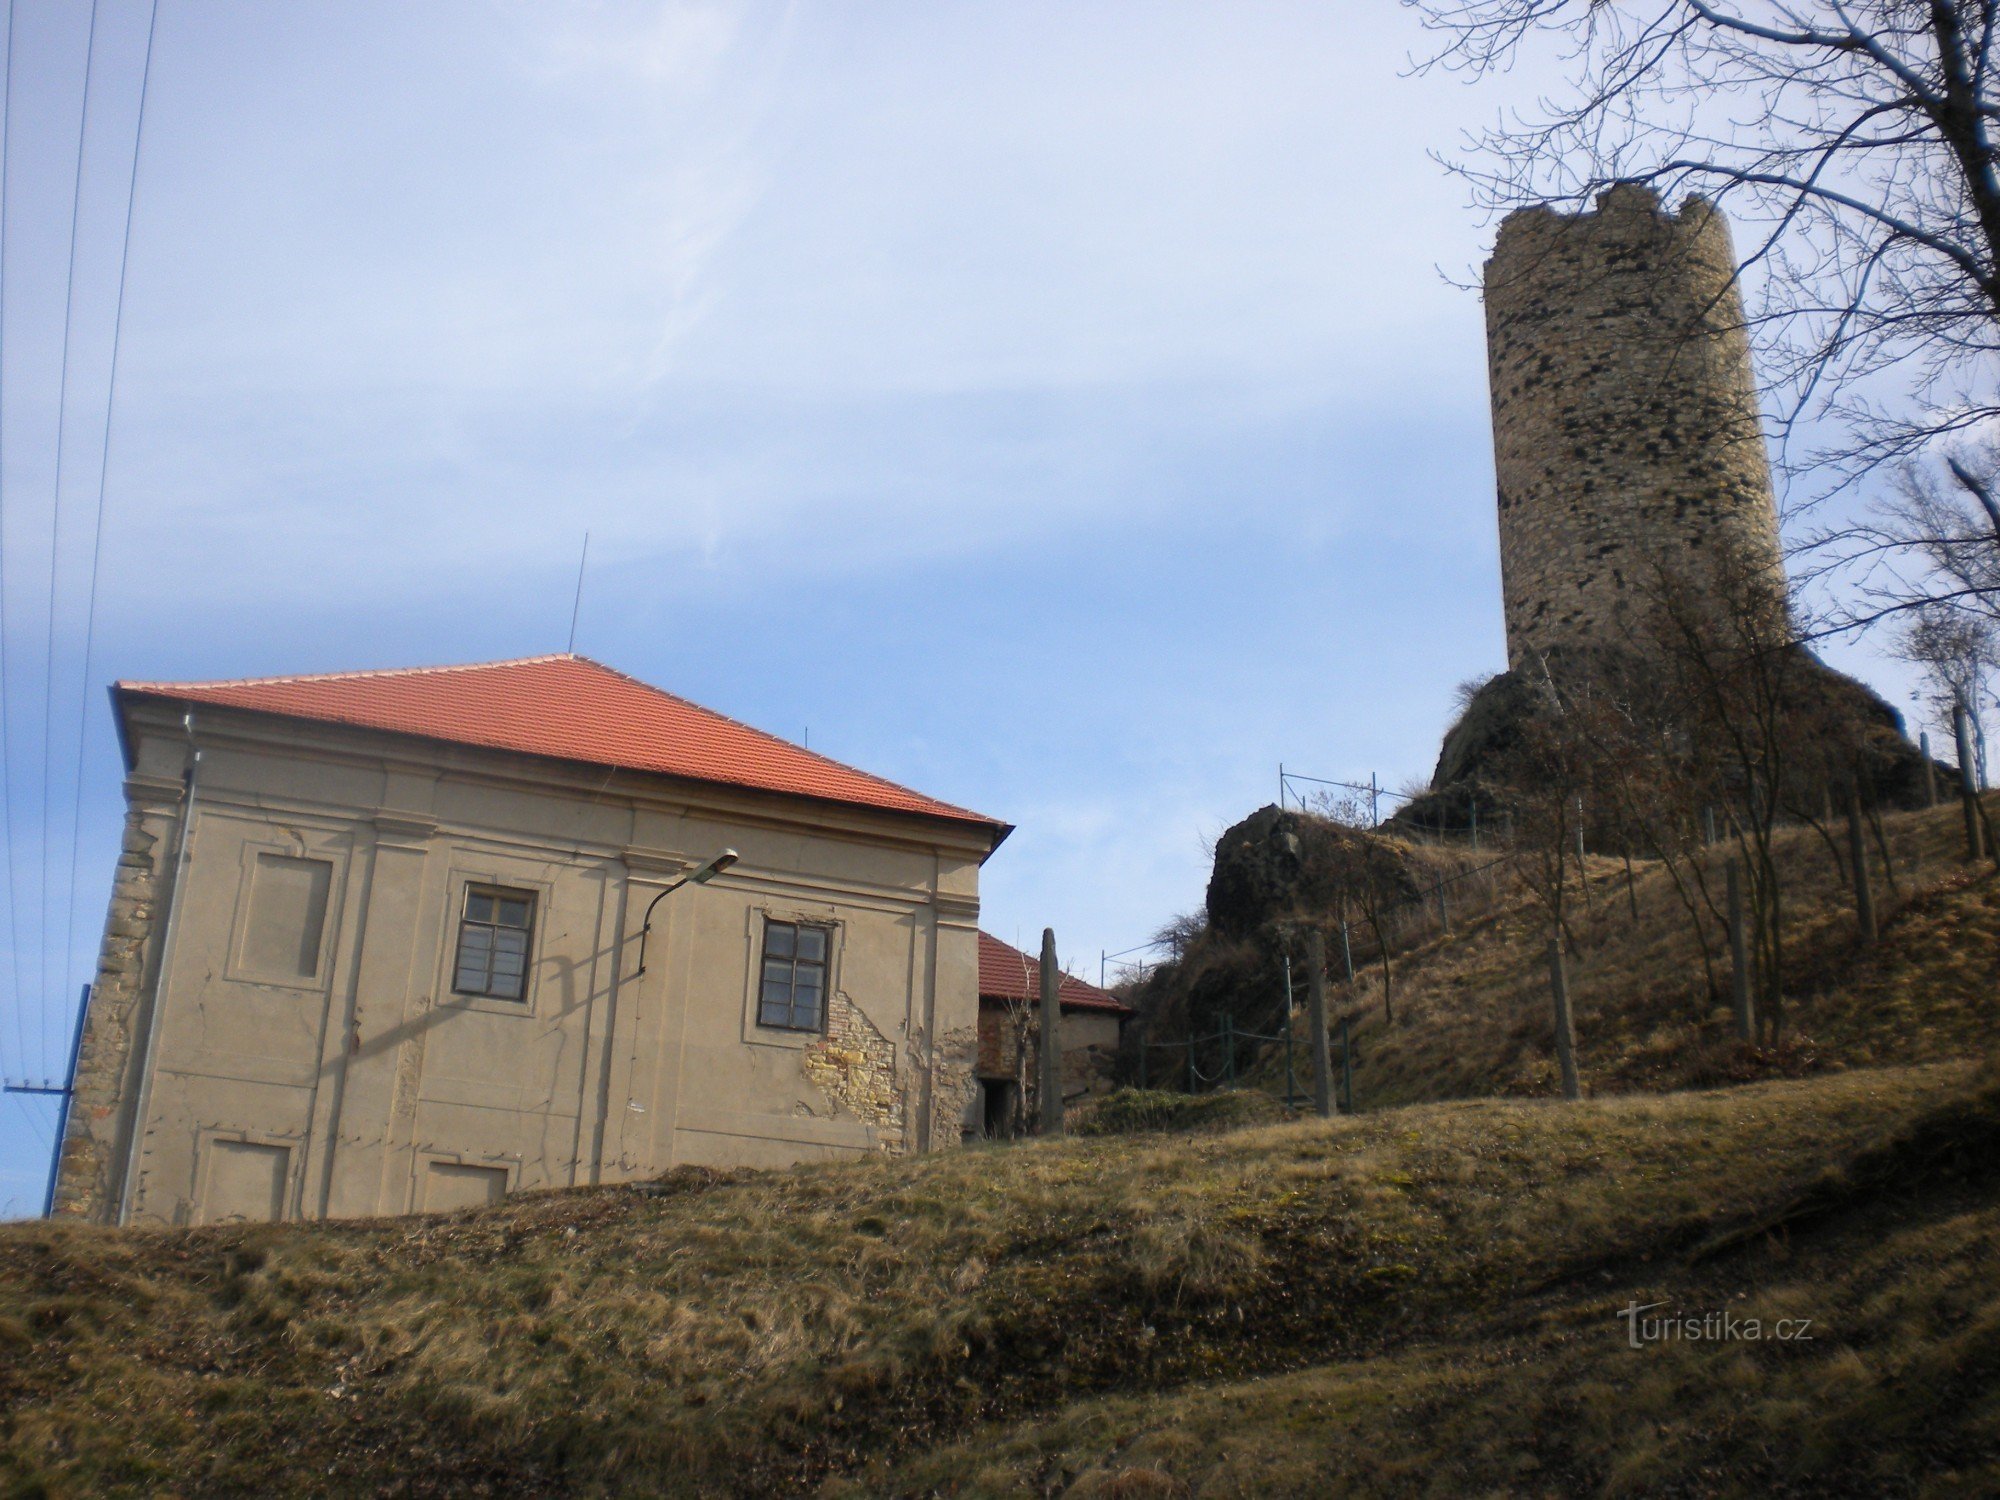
pixel 103 474
pixel 55 535
pixel 6 739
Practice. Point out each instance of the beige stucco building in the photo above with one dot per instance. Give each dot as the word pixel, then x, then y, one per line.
pixel 378 944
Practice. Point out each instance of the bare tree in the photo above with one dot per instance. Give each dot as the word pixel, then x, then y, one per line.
pixel 1765 735
pixel 1545 776
pixel 1932 540
pixel 1856 136
pixel 1958 652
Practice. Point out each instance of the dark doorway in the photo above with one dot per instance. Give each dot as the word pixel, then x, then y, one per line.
pixel 1000 1104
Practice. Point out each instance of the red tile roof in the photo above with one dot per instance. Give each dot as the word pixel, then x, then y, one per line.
pixel 1006 973
pixel 569 708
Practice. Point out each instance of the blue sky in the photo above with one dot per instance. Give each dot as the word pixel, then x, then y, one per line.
pixel 1060 409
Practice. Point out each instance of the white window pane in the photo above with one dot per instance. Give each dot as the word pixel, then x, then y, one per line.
pixel 513 913
pixel 478 906
pixel 470 980
pixel 778 939
pixel 812 942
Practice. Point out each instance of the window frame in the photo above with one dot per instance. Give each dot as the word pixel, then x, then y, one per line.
pixel 498 892
pixel 761 974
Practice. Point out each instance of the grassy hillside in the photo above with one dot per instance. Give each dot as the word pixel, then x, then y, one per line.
pixel 1471 1002
pixel 1419 1300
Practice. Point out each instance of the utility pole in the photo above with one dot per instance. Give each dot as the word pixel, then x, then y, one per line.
pixel 64 1091
pixel 1051 1090
pixel 1316 1021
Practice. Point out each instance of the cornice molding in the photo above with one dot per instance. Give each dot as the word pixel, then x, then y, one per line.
pixel 403 830
pixel 146 791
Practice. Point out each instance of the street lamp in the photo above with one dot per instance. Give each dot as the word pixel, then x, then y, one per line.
pixel 701 874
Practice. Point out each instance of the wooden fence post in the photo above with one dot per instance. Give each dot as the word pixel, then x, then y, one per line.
pixel 1347 1064
pixel 1565 1030
pixel 1857 856
pixel 1968 790
pixel 1739 954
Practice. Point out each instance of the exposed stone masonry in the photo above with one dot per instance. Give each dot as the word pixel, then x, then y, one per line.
pixel 855 1064
pixel 1625 421
pixel 105 1078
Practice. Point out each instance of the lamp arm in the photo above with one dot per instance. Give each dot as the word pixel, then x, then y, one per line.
pixel 647 926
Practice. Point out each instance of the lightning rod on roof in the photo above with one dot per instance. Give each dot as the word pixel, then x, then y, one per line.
pixel 576 606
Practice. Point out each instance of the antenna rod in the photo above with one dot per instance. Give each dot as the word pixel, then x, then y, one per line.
pixel 576 607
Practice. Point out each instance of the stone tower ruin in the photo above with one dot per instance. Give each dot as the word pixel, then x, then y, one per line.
pixel 1626 435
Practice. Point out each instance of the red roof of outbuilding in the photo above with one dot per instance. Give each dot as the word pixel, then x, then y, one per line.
pixel 569 708
pixel 1006 973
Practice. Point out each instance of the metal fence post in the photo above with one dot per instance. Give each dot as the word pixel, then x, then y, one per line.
pixel 1316 1019
pixel 1291 1077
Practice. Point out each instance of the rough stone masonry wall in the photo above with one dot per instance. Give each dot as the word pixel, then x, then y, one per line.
pixel 87 1181
pixel 855 1064
pixel 1625 421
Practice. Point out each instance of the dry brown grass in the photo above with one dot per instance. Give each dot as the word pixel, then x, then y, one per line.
pixel 1473 1011
pixel 755 1332
pixel 1895 1392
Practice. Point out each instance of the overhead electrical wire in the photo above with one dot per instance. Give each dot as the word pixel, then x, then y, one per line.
pixel 55 533
pixel 97 527
pixel 7 823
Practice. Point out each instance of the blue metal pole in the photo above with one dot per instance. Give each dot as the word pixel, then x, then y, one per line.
pixel 62 1110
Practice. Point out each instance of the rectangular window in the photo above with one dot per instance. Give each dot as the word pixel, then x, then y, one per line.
pixel 493 937
pixel 793 994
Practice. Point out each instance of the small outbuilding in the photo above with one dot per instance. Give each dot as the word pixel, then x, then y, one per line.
pixel 1010 990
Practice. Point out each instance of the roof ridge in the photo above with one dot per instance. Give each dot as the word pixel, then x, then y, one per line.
pixel 352 675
